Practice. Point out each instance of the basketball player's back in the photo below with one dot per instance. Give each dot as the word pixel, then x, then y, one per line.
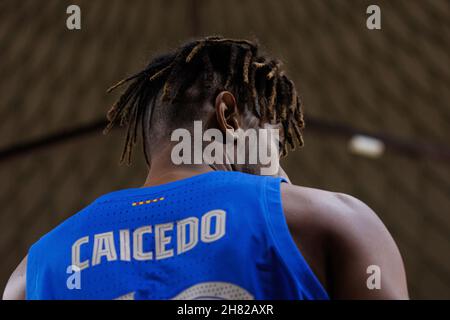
pixel 219 235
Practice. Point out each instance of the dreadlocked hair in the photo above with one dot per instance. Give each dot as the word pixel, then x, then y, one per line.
pixel 222 64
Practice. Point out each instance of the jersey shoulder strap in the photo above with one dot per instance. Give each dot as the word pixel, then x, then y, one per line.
pixel 294 261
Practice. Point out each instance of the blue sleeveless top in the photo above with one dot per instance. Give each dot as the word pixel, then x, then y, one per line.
pixel 217 235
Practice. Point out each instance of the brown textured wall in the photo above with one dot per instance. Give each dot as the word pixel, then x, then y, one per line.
pixel 394 81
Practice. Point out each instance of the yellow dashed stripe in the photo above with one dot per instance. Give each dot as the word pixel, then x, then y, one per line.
pixel 140 203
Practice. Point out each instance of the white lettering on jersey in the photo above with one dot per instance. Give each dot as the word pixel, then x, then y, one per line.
pixel 76 253
pixel 219 231
pixel 189 232
pixel 125 245
pixel 138 244
pixel 182 245
pixel 104 247
pixel 161 240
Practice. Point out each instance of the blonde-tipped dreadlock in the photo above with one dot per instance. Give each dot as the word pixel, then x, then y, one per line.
pixel 255 80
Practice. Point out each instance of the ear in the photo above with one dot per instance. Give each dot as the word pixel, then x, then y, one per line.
pixel 226 111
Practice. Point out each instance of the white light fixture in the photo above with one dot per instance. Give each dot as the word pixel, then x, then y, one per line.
pixel 366 146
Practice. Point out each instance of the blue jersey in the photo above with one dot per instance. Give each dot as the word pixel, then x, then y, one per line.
pixel 218 235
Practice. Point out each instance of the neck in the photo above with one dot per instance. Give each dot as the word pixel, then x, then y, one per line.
pixel 168 174
pixel 163 170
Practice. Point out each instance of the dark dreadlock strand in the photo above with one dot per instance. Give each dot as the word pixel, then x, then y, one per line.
pixel 282 98
pixel 272 99
pixel 293 128
pixel 229 64
pixel 274 67
pixel 232 42
pixel 260 86
pixel 130 117
pixel 121 82
pixel 248 56
pixel 208 78
pixel 298 133
pixel 143 131
pixel 259 65
pixel 273 75
pixel 254 91
pixel 176 69
pixel 298 114
pixel 246 95
pixel 194 51
pixel 116 113
pixel 119 112
pixel 291 89
pixel 299 123
pixel 288 139
pixel 159 73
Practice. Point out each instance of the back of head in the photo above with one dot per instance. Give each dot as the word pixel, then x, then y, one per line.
pixel 181 86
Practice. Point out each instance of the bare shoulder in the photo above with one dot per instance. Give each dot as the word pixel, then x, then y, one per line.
pixel 328 211
pixel 15 288
pixel 324 209
pixel 353 238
